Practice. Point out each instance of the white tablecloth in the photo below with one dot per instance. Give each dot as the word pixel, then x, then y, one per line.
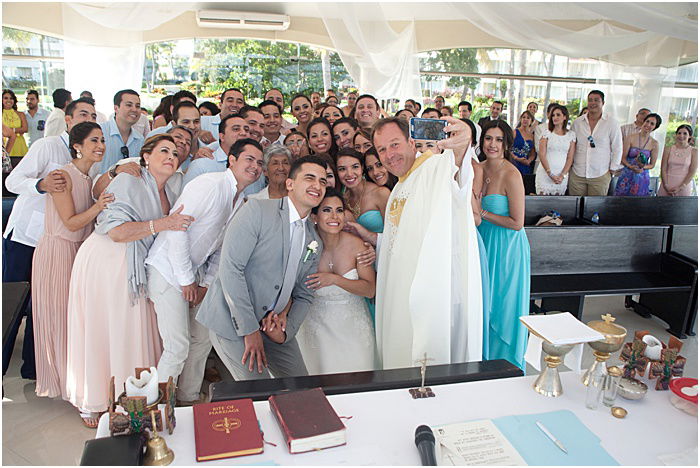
pixel 381 431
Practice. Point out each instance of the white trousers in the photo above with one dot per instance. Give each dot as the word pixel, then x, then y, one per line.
pixel 186 342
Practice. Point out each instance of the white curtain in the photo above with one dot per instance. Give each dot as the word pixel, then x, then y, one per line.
pixel 104 49
pixel 381 61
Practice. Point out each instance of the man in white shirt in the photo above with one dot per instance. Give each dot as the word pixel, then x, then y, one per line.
pixel 272 116
pixel 179 97
pixel 636 126
pixel 181 265
pixel 598 150
pixel 35 175
pixel 36 117
pixel 56 123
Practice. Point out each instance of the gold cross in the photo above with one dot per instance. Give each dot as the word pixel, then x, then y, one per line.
pixel 226 424
pixel 608 318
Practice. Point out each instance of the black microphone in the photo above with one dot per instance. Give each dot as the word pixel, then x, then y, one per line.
pixel 425 442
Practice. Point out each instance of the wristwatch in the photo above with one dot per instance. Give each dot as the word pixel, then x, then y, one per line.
pixel 112 173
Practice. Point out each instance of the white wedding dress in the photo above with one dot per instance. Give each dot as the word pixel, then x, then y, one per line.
pixel 337 334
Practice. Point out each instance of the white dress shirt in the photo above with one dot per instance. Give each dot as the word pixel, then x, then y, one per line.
pixel 629 129
pixel 185 257
pixel 211 123
pixel 27 217
pixel 56 123
pixel 607 137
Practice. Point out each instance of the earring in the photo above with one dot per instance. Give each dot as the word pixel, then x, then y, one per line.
pixel 78 154
pixel 146 164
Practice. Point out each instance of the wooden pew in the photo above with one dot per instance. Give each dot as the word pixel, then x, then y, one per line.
pixel 568 207
pixel 571 262
pixel 641 211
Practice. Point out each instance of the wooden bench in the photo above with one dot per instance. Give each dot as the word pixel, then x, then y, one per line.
pixel 368 381
pixel 571 262
pixel 15 297
pixel 641 211
pixel 568 207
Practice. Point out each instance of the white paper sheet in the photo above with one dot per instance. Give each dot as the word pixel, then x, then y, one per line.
pixel 475 443
pixel 561 328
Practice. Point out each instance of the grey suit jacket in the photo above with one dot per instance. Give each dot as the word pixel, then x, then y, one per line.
pixel 251 271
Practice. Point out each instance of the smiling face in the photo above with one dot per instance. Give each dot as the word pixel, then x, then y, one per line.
pixel 366 112
pixel 375 170
pixel 163 160
pixel 641 115
pixel 331 114
pixel 247 167
pixel 349 171
pixel 464 112
pixel 275 95
pixel 649 125
pixel 532 107
pixel 93 147
pixel 7 101
pixel 396 153
pixel 320 138
pixel 308 186
pixel 493 143
pixel 183 143
pixel 256 123
pixel 332 101
pixel 301 109
pixel 595 103
pixel 277 169
pixel 682 136
pixel 236 129
pixel 557 117
pixel 343 134
pixel 231 103
pixel 83 112
pixel 439 102
pixel 360 143
pixel 129 109
pixel 330 217
pixel 315 98
pixel 525 121
pixel 272 120
pixel 189 117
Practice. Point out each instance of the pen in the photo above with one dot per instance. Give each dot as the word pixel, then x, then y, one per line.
pixel 551 437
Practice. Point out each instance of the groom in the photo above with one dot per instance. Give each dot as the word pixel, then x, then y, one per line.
pixel 258 300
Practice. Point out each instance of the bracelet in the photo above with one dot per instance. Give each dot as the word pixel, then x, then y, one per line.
pixel 483 214
pixel 150 226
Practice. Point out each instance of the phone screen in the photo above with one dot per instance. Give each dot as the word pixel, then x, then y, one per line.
pixel 427 129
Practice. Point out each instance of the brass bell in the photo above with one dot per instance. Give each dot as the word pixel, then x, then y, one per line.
pixel 157 451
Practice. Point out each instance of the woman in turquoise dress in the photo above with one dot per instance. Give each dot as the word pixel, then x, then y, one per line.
pixel 641 152
pixel 366 201
pixel 477 185
pixel 507 247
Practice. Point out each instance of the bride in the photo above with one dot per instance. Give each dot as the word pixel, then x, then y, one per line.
pixel 337 334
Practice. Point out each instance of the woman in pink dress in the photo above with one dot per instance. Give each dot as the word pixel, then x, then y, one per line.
pixel 68 221
pixel 678 165
pixel 111 324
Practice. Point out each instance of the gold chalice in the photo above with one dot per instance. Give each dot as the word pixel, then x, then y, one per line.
pixel 602 349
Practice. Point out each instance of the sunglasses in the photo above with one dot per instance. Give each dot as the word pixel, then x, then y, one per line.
pixel 125 151
pixel 590 141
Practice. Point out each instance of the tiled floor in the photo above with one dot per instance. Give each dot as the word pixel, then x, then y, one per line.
pixel 40 431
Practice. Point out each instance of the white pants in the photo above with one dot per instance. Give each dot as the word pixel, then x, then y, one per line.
pixel 186 342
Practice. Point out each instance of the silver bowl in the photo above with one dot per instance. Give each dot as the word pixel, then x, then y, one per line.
pixel 631 389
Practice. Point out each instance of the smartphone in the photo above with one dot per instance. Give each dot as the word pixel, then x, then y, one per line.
pixel 427 129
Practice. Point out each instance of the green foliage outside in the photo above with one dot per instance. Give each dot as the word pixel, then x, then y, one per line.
pixel 453 60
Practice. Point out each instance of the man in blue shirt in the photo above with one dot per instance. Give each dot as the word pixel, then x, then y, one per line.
pixel 232 100
pixel 36 117
pixel 120 140
pixel 231 129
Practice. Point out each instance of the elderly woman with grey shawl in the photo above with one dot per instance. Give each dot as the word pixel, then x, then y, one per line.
pixel 111 324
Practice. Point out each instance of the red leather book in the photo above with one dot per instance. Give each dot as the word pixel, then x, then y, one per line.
pixel 226 429
pixel 307 420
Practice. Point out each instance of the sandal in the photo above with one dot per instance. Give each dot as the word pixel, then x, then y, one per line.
pixel 90 419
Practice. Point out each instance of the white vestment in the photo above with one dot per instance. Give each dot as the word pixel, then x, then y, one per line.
pixel 428 272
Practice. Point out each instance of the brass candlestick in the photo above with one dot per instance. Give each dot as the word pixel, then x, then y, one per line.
pixel 602 349
pixel 549 383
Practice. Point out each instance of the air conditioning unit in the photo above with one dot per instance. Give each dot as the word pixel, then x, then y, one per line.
pixel 241 20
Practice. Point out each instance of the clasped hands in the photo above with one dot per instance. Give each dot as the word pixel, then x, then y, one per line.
pixel 274 326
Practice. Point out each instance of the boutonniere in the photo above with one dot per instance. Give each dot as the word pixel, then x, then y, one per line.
pixel 311 248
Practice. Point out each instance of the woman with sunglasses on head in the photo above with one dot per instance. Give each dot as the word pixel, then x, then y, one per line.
pixel 678 165
pixel 556 153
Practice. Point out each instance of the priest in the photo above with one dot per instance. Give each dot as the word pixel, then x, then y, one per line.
pixel 428 273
